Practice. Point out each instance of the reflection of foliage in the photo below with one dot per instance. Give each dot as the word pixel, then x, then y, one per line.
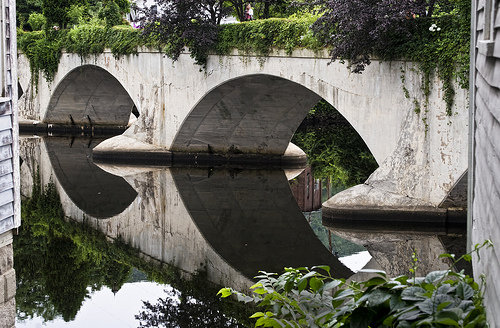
pixel 331 241
pixel 334 148
pixel 193 305
pixel 58 262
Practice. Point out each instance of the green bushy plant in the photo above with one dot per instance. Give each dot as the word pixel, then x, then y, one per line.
pixel 262 36
pixel 304 297
pixel 37 21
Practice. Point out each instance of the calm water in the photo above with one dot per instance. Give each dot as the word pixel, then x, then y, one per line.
pixel 179 230
pixel 134 234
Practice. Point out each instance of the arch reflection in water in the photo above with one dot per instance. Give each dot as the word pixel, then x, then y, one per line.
pixel 94 191
pixel 221 211
pixel 252 220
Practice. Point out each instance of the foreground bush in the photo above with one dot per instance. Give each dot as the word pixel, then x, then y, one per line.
pixel 312 298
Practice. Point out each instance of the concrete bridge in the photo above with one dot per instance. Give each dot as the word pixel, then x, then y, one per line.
pixel 251 106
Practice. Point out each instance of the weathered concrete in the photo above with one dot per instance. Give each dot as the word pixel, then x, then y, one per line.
pixel 248 104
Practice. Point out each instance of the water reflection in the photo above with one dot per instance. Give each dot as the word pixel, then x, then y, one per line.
pixel 252 220
pixel 173 223
pixel 94 191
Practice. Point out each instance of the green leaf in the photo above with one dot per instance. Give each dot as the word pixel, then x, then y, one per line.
pixel 380 272
pixel 413 294
pixel 259 284
pixel 443 305
pixel 302 285
pixel 331 285
pixel 450 256
pixel 322 267
pixel 257 315
pixel 435 276
pixel 375 281
pixel 447 321
pixel 225 292
pixel 260 291
pixel 464 291
pixel 396 303
pixel 378 296
pixel 410 315
pixel 361 318
pixel 426 306
pixel 315 284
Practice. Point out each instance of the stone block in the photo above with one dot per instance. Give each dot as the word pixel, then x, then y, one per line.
pixel 3 298
pixel 6 259
pixel 10 284
pixel 8 314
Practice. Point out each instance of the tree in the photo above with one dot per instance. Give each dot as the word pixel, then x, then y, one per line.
pixel 56 11
pixel 111 13
pixel 24 8
pixel 184 23
pixel 357 29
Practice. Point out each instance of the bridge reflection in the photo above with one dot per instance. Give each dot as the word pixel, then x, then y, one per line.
pixel 233 223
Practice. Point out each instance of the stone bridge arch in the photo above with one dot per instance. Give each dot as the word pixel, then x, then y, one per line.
pixel 89 95
pixel 257 113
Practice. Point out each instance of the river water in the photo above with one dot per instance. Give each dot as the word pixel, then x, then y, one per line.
pixel 101 239
pixel 130 233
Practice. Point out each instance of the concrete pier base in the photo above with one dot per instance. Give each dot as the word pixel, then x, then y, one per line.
pixel 124 150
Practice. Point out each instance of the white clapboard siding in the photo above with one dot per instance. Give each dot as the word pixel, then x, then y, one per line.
pixel 10 209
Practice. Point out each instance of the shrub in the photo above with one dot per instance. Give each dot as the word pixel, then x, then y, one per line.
pixel 312 298
pixel 37 21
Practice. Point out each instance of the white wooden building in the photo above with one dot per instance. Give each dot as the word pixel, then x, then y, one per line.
pixel 484 149
pixel 10 204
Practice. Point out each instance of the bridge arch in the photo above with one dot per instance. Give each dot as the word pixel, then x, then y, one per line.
pixel 256 113
pixel 91 95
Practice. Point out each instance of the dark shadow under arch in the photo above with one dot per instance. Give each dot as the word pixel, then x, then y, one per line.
pixel 253 114
pixel 89 95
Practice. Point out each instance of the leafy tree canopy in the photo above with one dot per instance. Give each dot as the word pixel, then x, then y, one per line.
pixel 357 29
pixel 178 23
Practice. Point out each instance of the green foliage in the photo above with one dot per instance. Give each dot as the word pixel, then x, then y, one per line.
pixel 75 14
pixel 24 8
pixel 444 52
pixel 111 14
pixel 43 54
pixel 56 12
pixel 86 39
pixel 334 149
pixel 441 45
pixel 37 21
pixel 262 36
pixel 312 298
